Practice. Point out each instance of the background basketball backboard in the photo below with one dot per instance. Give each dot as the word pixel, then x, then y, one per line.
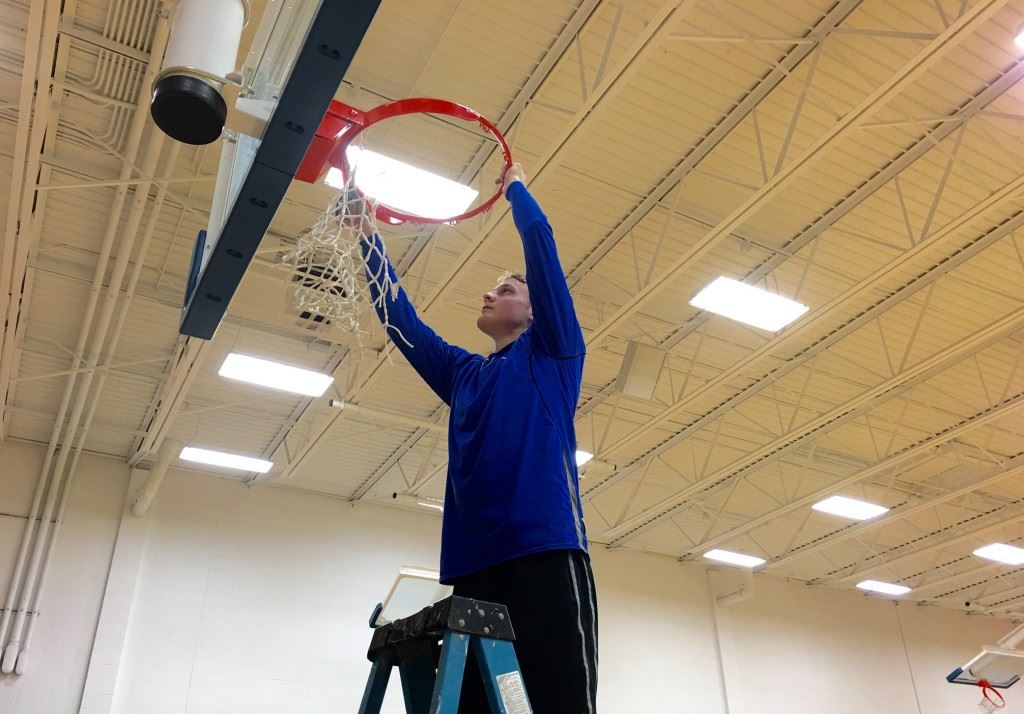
pixel 1000 665
pixel 301 51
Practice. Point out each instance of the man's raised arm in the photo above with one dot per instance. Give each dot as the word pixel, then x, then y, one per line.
pixel 555 325
pixel 433 359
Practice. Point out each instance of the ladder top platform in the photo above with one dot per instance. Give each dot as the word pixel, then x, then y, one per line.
pixel 458 614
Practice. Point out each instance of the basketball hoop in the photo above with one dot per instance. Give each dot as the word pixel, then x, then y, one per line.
pixel 342 124
pixel 329 272
pixel 991 699
pixel 996 667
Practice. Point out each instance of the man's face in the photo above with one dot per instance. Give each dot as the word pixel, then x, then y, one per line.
pixel 506 309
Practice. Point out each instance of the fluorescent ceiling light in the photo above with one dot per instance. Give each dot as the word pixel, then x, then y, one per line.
pixel 275 375
pixel 222 458
pixel 431 504
pixel 1019 39
pixel 747 304
pixel 878 586
pixel 1002 553
pixel 403 186
pixel 582 457
pixel 849 508
pixel 726 556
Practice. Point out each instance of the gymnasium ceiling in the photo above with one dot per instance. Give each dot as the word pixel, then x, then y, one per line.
pixel 862 157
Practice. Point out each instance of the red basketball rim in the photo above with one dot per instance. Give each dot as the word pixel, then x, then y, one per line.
pixel 418 105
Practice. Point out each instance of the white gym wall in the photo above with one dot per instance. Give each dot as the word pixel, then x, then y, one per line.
pixel 228 599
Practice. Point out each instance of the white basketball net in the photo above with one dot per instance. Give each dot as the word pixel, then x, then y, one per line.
pixel 990 702
pixel 987 706
pixel 328 270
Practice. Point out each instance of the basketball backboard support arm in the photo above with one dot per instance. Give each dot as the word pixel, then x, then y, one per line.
pixel 331 42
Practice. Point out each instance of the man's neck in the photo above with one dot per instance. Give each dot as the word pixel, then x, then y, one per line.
pixel 501 343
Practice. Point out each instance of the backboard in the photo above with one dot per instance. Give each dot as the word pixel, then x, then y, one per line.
pixel 298 58
pixel 999 665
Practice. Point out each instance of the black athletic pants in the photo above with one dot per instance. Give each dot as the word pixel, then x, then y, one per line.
pixel 553 609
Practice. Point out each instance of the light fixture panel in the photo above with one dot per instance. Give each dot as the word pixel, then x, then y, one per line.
pixel 275 375
pixel 748 304
pixel 849 508
pixel 1002 553
pixel 877 586
pixel 740 559
pixel 582 457
pixel 403 186
pixel 225 459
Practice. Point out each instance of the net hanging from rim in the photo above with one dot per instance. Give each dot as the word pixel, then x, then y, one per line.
pixel 329 270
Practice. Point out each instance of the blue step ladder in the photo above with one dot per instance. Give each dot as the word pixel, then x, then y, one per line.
pixel 432 673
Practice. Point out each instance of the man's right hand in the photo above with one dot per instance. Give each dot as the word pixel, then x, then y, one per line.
pixel 512 173
pixel 355 214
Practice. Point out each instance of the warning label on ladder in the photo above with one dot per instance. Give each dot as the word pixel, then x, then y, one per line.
pixel 513 693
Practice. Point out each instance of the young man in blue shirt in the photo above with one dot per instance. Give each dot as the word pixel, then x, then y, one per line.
pixel 513 529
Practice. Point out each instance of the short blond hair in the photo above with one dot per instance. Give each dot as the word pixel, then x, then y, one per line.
pixel 509 275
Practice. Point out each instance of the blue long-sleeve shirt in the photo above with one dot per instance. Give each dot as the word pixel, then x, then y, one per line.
pixel 513 486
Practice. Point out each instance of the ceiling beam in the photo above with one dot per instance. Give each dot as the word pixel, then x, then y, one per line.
pixel 964 27
pixel 976 593
pixel 840 415
pixel 948 580
pixel 926 143
pixel 835 306
pixel 733 118
pixel 987 478
pixel 1007 516
pixel 1004 408
pixel 33 109
pixel 183 368
pixel 95 39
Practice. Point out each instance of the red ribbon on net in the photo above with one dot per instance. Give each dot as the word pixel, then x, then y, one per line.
pixel 986 688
